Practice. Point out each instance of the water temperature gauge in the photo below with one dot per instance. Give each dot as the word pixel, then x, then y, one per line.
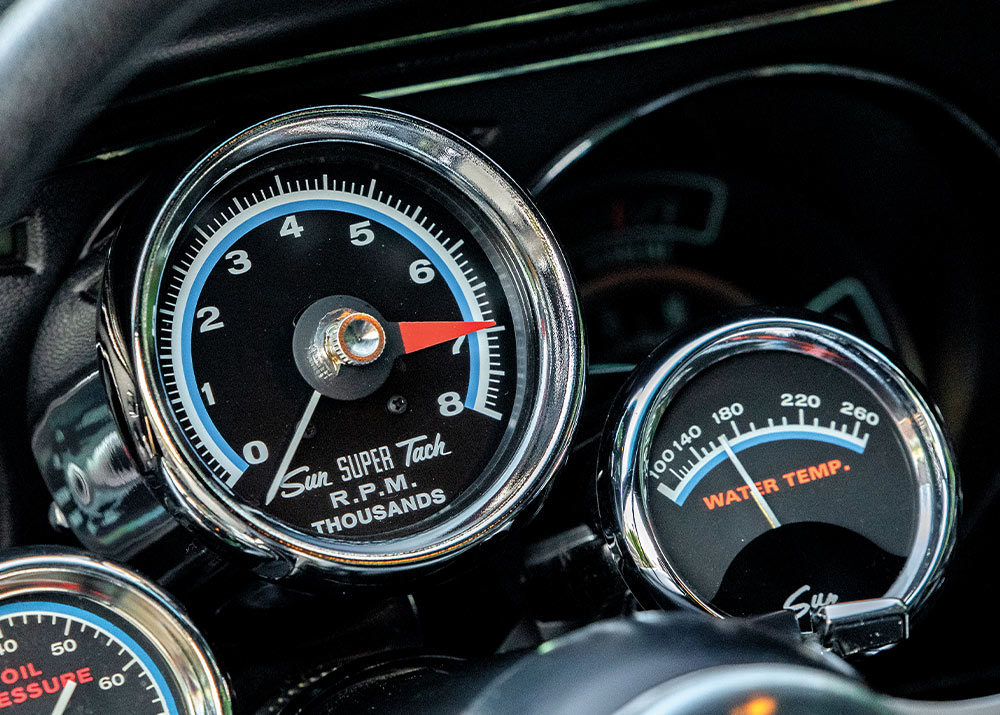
pixel 779 463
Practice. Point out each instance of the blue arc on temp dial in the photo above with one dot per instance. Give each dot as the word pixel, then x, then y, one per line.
pixel 280 211
pixel 753 442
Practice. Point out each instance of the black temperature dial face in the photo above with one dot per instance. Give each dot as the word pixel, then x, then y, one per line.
pixel 337 343
pixel 58 658
pixel 777 480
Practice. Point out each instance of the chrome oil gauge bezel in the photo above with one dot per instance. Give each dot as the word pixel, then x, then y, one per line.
pixel 659 379
pixel 45 571
pixel 517 232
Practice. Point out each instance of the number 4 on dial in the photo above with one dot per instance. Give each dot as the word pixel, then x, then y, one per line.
pixel 291 227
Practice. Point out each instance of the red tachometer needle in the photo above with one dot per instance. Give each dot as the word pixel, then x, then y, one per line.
pixel 424 334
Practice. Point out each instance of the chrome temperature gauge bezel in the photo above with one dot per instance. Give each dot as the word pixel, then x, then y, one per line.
pixel 515 231
pixel 643 401
pixel 44 572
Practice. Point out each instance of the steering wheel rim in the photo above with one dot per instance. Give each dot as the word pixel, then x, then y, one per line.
pixel 60 62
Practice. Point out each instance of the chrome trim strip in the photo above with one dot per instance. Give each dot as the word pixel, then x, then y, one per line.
pixel 575 10
pixel 681 37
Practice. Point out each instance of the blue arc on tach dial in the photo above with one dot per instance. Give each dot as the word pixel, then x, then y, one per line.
pixel 298 207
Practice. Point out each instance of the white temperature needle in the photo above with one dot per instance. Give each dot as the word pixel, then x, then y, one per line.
pixel 757 496
pixel 64 697
pixel 300 429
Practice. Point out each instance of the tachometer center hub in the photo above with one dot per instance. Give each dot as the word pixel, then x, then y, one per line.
pixel 337 343
pixel 354 338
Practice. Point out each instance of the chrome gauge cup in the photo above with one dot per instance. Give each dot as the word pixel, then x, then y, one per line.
pixel 78 634
pixel 350 344
pixel 780 463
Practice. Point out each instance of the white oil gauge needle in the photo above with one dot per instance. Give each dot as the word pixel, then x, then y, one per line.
pixel 757 496
pixel 290 452
pixel 64 697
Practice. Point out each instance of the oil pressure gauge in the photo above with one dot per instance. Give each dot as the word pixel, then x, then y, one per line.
pixel 779 463
pixel 79 635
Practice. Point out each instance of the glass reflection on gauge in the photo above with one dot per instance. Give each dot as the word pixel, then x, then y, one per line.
pixel 778 463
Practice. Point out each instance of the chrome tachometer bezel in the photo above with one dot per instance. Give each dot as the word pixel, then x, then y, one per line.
pixel 549 306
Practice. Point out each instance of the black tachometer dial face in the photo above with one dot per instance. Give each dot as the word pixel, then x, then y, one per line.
pixel 776 480
pixel 338 343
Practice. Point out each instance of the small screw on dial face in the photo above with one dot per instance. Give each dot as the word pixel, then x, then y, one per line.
pixel 397 404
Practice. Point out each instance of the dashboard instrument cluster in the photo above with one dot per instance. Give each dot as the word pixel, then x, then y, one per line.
pixel 347 387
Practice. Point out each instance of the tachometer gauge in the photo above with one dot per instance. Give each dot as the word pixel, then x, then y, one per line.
pixel 778 463
pixel 79 635
pixel 355 340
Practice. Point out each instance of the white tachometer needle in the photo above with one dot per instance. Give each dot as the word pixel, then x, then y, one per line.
pixel 290 452
pixel 757 496
pixel 64 697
